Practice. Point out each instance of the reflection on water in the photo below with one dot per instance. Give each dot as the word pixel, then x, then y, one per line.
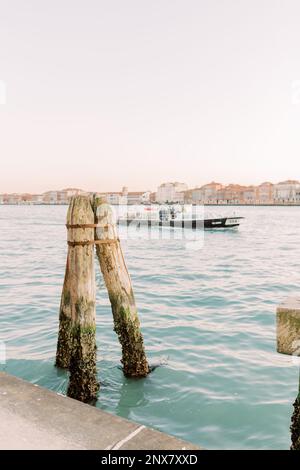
pixel 131 396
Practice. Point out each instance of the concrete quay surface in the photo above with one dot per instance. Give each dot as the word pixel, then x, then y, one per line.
pixel 32 417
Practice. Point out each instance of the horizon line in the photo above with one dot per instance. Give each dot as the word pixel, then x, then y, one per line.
pixel 69 188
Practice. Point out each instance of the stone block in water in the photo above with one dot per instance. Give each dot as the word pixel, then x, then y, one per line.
pixel 288 327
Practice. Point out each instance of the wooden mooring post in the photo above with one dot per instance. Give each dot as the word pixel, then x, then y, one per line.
pixel 90 222
pixel 288 342
pixel 120 292
pixel 76 347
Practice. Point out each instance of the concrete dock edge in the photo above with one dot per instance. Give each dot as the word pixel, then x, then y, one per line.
pixel 32 417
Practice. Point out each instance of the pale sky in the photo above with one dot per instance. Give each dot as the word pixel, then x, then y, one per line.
pixel 101 94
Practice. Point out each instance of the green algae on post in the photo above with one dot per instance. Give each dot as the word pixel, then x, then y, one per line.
pixel 76 347
pixel 295 426
pixel 119 287
pixel 64 342
pixel 83 384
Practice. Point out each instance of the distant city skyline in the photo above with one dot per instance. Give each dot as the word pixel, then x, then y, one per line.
pixel 145 92
pixel 182 184
pixel 144 189
pixel 214 193
pixel 140 188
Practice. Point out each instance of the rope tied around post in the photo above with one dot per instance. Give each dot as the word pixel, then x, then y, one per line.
pixel 86 226
pixel 90 242
pixel 93 242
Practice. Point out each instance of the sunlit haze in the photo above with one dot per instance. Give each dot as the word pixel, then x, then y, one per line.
pixel 101 94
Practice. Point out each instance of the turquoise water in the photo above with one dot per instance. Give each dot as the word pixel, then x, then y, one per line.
pixel 208 318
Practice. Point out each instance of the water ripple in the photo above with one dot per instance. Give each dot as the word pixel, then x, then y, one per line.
pixel 208 319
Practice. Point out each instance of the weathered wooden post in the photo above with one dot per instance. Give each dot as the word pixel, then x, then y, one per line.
pixel 118 284
pixel 295 423
pixel 64 343
pixel 288 342
pixel 76 349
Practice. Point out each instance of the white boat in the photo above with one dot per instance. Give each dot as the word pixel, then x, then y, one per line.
pixel 174 218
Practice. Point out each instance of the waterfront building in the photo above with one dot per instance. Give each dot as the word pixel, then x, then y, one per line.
pixel 171 192
pixel 4 198
pixel 25 198
pixel 37 199
pixel 265 193
pixel 231 194
pixel 211 192
pixel 127 197
pixel 198 195
pixel 50 197
pixel 115 198
pixel 137 197
pixel 179 197
pixel 62 197
pixel 188 196
pixel 249 195
pixel 12 198
pixel 73 191
pixel 207 194
pixel 287 192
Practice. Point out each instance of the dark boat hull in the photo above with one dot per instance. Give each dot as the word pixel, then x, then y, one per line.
pixel 209 224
